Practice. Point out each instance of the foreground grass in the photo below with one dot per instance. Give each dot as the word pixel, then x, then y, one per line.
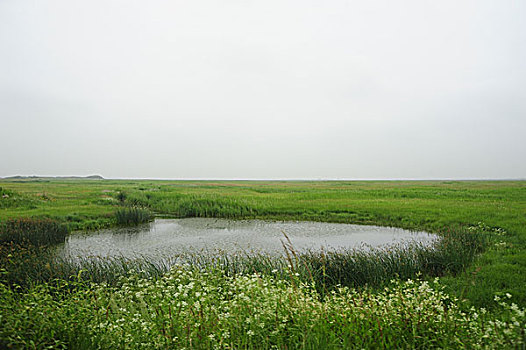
pixel 195 309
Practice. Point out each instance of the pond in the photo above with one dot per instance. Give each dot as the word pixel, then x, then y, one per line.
pixel 169 237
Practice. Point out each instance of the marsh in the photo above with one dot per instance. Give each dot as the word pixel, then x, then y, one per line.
pixel 165 237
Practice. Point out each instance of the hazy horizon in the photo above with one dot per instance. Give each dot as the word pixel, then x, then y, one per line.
pixel 270 90
pixel 260 179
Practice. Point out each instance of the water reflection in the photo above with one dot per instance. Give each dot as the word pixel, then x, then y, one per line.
pixel 167 237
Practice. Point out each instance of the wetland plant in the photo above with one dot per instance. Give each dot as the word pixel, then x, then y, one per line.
pixel 355 268
pixel 121 196
pixel 132 216
pixel 32 231
pixel 209 310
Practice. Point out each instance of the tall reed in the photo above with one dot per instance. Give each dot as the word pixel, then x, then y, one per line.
pixel 327 269
pixel 132 216
pixel 34 231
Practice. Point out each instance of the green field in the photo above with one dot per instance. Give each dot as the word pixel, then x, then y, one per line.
pixel 492 210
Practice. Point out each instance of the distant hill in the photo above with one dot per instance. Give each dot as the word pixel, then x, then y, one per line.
pixel 95 177
pixel 36 177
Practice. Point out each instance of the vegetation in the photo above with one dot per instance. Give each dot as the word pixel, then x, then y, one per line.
pixel 481 254
pixel 205 310
pixel 132 216
pixel 327 270
pixel 29 231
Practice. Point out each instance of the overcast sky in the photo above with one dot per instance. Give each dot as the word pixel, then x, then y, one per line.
pixel 268 89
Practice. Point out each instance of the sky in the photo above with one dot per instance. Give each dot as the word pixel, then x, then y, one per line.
pixel 268 89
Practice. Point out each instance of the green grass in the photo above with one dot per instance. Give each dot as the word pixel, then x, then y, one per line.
pixel 482 254
pixel 496 208
pixel 205 310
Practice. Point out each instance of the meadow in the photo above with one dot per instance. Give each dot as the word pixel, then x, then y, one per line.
pixel 332 300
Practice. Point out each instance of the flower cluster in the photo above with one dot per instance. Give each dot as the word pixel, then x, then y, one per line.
pixel 188 309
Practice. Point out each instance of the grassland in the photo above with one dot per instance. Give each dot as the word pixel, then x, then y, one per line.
pixel 493 210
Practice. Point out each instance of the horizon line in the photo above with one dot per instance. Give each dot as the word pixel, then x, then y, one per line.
pixel 262 179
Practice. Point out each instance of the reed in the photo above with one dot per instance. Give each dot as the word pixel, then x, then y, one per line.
pixel 32 231
pixel 329 269
pixel 195 206
pixel 377 267
pixel 132 216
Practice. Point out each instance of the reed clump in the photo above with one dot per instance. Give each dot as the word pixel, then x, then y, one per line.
pixel 355 268
pixel 195 206
pixel 132 216
pixel 32 231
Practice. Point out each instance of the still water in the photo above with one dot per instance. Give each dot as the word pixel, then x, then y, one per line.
pixel 168 237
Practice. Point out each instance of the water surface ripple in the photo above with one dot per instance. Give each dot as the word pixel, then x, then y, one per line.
pixel 168 237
